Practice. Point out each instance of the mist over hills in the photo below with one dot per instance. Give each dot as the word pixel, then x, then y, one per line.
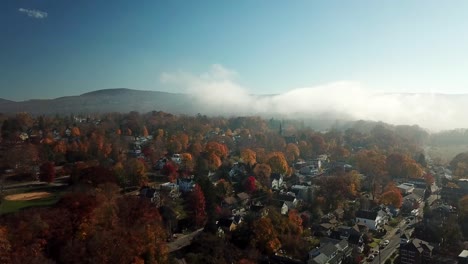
pixel 328 104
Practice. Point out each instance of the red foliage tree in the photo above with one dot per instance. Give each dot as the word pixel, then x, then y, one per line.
pixel 47 172
pixel 250 184
pixel 198 206
pixel 169 170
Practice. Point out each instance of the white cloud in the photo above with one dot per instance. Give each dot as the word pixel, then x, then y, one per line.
pixel 33 13
pixel 218 93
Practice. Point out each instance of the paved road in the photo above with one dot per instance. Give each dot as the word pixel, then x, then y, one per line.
pixel 386 252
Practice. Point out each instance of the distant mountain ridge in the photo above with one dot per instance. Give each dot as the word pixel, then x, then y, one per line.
pixel 432 111
pixel 107 100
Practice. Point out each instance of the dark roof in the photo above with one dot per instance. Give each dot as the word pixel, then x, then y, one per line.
pixel 419 245
pixel 147 192
pixel 328 249
pixel 286 198
pixel 348 230
pixel 275 176
pixel 224 222
pixel 354 238
pixel 366 214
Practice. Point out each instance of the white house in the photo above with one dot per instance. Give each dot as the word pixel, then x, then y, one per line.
pixel 373 220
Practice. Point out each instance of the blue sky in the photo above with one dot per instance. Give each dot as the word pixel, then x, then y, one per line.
pixel 51 48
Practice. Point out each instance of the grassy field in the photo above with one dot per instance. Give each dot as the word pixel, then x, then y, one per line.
pixel 7 206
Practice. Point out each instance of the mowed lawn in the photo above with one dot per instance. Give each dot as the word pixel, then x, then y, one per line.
pixel 8 206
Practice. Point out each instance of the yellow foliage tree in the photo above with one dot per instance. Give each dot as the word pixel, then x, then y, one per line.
pixel 278 163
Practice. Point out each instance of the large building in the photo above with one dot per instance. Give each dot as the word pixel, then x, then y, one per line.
pixel 416 251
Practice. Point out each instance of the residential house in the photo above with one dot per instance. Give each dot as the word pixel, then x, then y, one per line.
pixel 406 236
pixel 373 220
pixel 185 185
pixel 277 181
pixel 406 188
pixel 463 257
pixel 243 198
pixel 351 234
pixel 226 225
pixel 463 184
pixel 229 202
pixel 418 183
pixel 412 200
pixel 416 251
pixel 339 213
pixel 288 201
pixel 237 171
pixel 305 193
pixel 309 170
pixel 452 194
pixel 258 209
pixel 152 194
pixel 332 252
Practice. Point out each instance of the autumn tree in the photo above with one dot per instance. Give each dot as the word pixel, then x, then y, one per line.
pixel 250 184
pixel 278 163
pixel 263 172
pixel 5 246
pixel 295 221
pixel 75 131
pixel 214 161
pixel 169 169
pixel 47 172
pixel 219 149
pixel 265 236
pixel 373 164
pixel 392 196
pixel 292 152
pixel 248 156
pixel 187 162
pixel 223 188
pixel 305 149
pixel 198 206
pixel 145 131
pixel 135 170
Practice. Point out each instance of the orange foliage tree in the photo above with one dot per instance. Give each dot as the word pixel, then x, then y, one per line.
pixel 392 196
pixel 219 149
pixel 296 221
pixel 292 152
pixel 265 236
pixel 214 162
pixel 248 156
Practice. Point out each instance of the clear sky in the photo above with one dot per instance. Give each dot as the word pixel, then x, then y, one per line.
pixel 52 48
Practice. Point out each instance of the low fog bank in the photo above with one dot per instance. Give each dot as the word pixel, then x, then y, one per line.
pixel 218 93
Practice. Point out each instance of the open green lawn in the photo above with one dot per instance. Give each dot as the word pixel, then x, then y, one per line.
pixel 375 243
pixel 13 206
